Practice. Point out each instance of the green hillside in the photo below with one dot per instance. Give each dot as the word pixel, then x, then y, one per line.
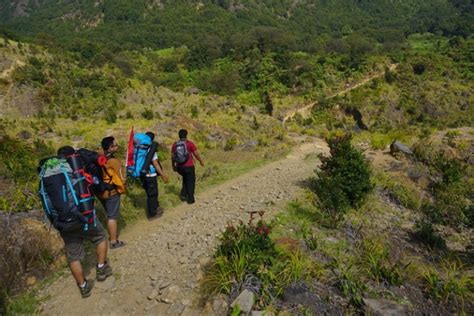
pixel 250 80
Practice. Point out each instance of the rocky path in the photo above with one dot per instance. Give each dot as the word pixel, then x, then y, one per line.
pixel 158 272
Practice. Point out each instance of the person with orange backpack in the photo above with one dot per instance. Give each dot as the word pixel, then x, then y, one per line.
pixel 113 176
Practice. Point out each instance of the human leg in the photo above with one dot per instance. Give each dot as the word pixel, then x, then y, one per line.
pixel 190 182
pixel 112 208
pixel 77 272
pixel 97 236
pixel 150 184
pixel 101 252
pixel 73 241
pixel 183 195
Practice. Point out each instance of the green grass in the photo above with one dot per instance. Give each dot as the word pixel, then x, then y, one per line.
pixel 451 283
pixel 23 304
pixel 406 192
pixel 27 303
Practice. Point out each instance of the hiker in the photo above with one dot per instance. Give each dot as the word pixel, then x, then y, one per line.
pixel 183 153
pixel 69 205
pixel 113 174
pixel 150 184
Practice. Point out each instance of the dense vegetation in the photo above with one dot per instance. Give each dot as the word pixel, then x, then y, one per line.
pixel 215 29
pixel 230 71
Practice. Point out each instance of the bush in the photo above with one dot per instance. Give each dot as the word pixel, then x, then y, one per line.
pixel 253 239
pixel 148 114
pixel 242 260
pixel 18 168
pixel 26 249
pixel 110 117
pixel 452 203
pixel 344 178
pixel 426 234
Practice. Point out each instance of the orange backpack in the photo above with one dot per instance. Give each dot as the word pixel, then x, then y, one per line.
pixel 111 177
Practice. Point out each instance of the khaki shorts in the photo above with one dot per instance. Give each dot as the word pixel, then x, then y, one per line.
pixel 74 240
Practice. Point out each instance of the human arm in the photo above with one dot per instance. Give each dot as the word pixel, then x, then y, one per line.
pixel 198 157
pixel 159 170
pixel 173 163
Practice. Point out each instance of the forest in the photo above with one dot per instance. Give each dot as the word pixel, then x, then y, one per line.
pixel 238 74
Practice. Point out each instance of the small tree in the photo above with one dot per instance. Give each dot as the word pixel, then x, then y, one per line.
pixel 267 101
pixel 344 178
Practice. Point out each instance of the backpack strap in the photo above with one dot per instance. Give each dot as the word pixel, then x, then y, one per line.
pixel 43 193
pixel 71 187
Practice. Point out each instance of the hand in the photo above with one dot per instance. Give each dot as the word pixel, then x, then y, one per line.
pixel 165 179
pixel 201 163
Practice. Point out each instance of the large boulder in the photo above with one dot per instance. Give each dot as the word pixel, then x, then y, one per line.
pixel 396 147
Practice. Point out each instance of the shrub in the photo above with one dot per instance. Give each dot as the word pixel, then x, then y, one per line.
pixel 129 115
pixel 253 239
pixel 426 234
pixel 148 114
pixel 110 117
pixel 194 111
pixel 230 144
pixel 331 198
pixel 19 163
pixel 26 248
pixel 344 178
pixel 243 259
pixel 452 203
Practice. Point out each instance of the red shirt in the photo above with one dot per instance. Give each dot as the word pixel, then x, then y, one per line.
pixel 191 149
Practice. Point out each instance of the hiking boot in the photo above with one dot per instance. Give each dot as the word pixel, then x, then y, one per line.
pixel 117 244
pixel 104 272
pixel 87 289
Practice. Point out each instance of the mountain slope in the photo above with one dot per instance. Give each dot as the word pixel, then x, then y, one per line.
pixel 158 24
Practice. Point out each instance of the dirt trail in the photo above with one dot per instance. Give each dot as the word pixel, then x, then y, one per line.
pixel 169 253
pixel 7 72
pixel 306 110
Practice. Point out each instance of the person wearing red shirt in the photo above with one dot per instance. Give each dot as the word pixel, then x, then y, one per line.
pixel 186 169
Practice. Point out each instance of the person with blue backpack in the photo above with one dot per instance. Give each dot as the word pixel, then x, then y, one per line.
pixel 66 191
pixel 150 182
pixel 183 153
pixel 146 167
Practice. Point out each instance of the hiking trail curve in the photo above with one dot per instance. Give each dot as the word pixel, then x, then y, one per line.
pixel 158 272
pixel 305 111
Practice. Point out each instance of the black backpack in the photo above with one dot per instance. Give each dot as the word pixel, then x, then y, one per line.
pixel 65 190
pixel 181 154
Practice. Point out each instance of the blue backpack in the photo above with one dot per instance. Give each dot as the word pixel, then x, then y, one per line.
pixel 143 150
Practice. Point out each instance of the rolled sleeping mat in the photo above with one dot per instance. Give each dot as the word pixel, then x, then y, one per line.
pixel 149 157
pixel 86 200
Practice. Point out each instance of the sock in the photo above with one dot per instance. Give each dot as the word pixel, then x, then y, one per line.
pixel 83 285
pixel 100 265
